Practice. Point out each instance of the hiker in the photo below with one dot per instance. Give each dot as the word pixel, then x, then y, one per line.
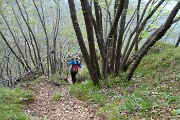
pixel 76 64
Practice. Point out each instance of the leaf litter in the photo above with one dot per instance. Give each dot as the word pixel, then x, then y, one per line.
pixel 67 108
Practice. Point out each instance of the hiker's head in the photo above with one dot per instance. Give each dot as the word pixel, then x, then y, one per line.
pixel 75 57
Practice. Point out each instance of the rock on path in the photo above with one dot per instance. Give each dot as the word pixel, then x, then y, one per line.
pixel 68 108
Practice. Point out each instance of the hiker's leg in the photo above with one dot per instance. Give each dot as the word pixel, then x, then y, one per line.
pixel 75 79
pixel 73 76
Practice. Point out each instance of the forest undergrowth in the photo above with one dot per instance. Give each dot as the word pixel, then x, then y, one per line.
pixel 153 93
pixel 12 102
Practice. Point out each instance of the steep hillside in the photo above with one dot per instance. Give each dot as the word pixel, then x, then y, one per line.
pixel 152 94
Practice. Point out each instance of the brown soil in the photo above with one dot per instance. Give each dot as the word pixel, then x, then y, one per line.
pixel 67 108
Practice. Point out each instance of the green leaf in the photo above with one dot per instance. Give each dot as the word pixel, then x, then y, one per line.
pixel 1 3
pixel 175 112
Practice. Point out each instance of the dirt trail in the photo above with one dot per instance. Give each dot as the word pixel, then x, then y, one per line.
pixel 68 108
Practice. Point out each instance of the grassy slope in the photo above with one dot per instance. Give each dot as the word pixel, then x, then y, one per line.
pixel 12 101
pixel 153 93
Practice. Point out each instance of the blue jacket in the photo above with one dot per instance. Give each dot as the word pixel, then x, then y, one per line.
pixel 75 62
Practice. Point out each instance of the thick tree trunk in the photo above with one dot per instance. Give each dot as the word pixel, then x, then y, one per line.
pixel 120 38
pixel 98 15
pixel 79 35
pixel 111 37
pixel 98 28
pixel 99 33
pixel 116 20
pixel 90 34
pixel 114 41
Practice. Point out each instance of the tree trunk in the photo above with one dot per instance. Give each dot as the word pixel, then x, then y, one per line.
pixel 111 37
pixel 31 32
pixel 138 16
pixel 116 20
pixel 152 40
pixel 139 30
pixel 178 41
pixel 14 53
pixel 98 28
pixel 79 35
pixel 114 42
pixel 56 30
pixel 42 20
pixel 90 34
pixel 121 33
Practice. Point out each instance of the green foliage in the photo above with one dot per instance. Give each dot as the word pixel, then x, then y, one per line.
pixel 31 84
pixel 160 47
pixel 136 102
pixel 83 75
pixel 87 91
pixel 56 97
pixel 154 88
pixel 11 103
pixel 112 111
pixel 58 79
pixel 117 80
pixel 171 98
pixel 1 3
pixel 162 57
pixel 175 112
pixel 54 78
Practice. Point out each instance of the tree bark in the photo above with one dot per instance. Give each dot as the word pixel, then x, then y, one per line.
pixel 120 38
pixel 152 40
pixel 116 20
pixel 111 36
pixel 177 43
pixel 98 28
pixel 138 16
pixel 90 34
pixel 114 42
pixel 79 35
pixel 139 30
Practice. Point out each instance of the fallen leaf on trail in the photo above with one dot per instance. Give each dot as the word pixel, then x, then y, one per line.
pixel 69 108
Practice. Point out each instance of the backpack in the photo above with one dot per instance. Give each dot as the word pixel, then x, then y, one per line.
pixel 75 68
